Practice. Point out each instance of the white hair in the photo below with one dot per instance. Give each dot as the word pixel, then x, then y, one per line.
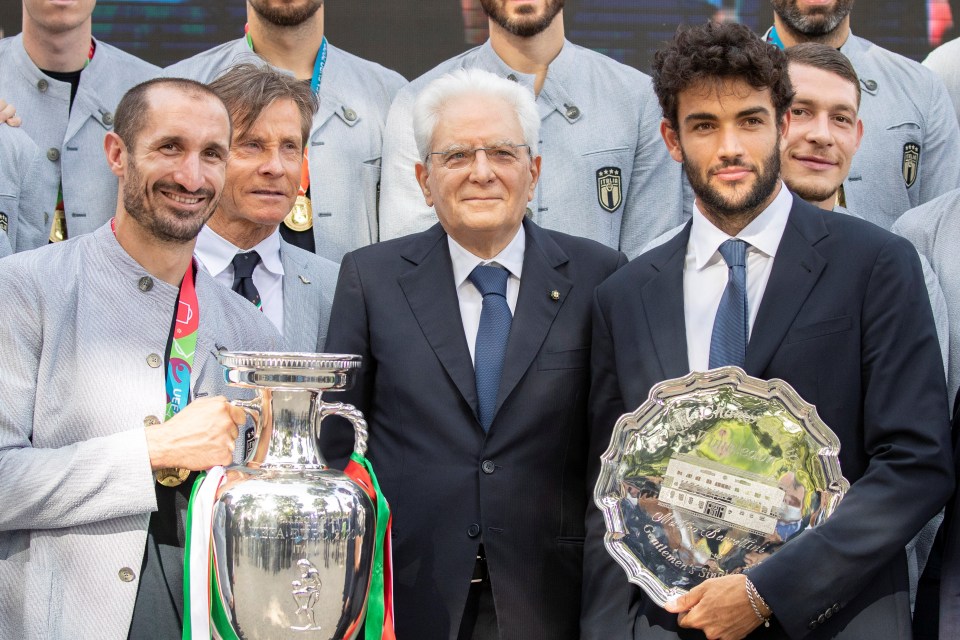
pixel 473 83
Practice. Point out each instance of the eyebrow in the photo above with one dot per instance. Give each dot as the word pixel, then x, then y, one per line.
pixel 485 145
pixel 839 106
pixel 740 114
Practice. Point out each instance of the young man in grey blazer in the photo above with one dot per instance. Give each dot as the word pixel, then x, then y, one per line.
pixel 93 482
pixel 609 177
pixel 65 86
pixel 241 245
pixel 343 154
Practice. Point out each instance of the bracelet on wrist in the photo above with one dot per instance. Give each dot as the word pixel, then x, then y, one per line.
pixel 754 596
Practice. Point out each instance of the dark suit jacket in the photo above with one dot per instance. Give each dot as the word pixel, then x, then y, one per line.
pixel 521 489
pixel 846 321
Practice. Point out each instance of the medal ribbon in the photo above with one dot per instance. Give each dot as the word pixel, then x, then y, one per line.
pixel 774 38
pixel 59 211
pixel 318 64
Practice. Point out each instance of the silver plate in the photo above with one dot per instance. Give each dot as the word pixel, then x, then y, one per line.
pixel 711 475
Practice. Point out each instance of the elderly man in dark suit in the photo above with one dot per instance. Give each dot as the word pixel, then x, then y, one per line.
pixel 475 336
pixel 831 304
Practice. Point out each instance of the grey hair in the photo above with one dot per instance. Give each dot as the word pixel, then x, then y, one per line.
pixel 474 83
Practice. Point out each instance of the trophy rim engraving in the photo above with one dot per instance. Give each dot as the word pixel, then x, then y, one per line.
pixel 608 493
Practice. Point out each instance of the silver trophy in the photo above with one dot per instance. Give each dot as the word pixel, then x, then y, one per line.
pixel 292 539
pixel 710 476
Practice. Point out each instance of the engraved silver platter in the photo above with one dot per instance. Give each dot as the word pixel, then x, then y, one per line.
pixel 711 475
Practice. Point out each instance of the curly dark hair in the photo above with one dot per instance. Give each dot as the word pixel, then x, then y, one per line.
pixel 715 52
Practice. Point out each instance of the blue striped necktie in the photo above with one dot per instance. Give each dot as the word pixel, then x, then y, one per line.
pixel 728 344
pixel 492 334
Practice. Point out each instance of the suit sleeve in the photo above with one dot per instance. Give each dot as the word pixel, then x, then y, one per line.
pixel 609 602
pixel 906 438
pixel 654 199
pixel 45 488
pixel 348 333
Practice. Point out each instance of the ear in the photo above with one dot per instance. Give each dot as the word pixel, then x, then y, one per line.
pixel 672 139
pixel 859 134
pixel 422 174
pixel 116 153
pixel 535 175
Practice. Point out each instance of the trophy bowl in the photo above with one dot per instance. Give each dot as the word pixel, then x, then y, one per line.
pixel 710 476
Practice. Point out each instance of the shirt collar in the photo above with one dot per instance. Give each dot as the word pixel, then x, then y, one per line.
pixel 763 233
pixel 563 74
pixel 216 253
pixel 510 258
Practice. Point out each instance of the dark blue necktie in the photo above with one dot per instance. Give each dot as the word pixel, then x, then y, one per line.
pixel 243 266
pixel 492 335
pixel 728 345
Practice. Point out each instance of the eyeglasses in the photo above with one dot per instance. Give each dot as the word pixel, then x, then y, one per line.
pixel 503 155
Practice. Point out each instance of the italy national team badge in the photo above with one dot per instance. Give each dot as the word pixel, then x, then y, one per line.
pixel 911 163
pixel 609 192
pixel 4 221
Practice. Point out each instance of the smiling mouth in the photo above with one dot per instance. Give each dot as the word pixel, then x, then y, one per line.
pixel 815 162
pixel 183 199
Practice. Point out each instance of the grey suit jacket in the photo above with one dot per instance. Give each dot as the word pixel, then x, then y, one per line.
pixel 309 282
pixel 71 140
pixel 21 199
pixel 596 115
pixel 345 140
pixel 80 334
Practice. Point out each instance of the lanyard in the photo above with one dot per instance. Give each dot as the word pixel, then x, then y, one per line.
pixel 182 341
pixel 318 64
pixel 774 38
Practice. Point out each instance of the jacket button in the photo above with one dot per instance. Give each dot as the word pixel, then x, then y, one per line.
pixel 572 112
pixel 512 77
pixel 473 530
pixel 145 283
pixel 108 118
pixel 488 466
pixel 150 421
pixel 812 625
pixel 349 114
pixel 870 85
pixel 821 618
pixel 53 154
pixel 42 85
pixel 126 574
pixel 836 607
pixel 154 360
pixel 828 613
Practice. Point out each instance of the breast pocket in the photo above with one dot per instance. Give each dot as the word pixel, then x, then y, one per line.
pixel 571 359
pixel 819 329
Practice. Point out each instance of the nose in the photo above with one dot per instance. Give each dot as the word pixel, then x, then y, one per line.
pixel 730 144
pixel 189 174
pixel 481 170
pixel 818 130
pixel 271 165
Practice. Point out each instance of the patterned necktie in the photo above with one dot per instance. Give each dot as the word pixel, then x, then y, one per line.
pixel 492 335
pixel 728 345
pixel 243 266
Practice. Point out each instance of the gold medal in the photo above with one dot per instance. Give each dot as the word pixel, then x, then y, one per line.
pixel 58 230
pixel 171 477
pixel 300 217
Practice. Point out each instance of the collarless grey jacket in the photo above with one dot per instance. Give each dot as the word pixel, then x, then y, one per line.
pixel 82 337
pixel 70 140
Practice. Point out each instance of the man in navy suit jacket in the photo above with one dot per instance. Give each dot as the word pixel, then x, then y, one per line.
pixel 836 307
pixel 488 511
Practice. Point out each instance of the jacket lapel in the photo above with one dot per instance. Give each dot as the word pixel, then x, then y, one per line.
pixel 432 296
pixel 662 299
pixel 299 306
pixel 536 309
pixel 796 269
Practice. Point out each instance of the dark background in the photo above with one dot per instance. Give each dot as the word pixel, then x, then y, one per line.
pixel 412 36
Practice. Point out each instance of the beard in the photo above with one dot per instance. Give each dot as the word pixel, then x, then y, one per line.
pixel 285 16
pixel 529 24
pixel 817 21
pixel 164 222
pixel 813 192
pixel 721 205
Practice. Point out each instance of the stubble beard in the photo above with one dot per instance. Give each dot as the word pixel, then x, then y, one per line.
pixel 524 28
pixel 819 22
pixel 747 206
pixel 286 16
pixel 170 226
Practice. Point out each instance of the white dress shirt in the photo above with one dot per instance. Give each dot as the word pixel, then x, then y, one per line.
pixel 705 271
pixel 471 302
pixel 216 254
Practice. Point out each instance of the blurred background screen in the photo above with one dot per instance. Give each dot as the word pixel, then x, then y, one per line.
pixel 412 36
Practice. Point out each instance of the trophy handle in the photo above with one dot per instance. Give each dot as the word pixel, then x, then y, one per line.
pixel 351 413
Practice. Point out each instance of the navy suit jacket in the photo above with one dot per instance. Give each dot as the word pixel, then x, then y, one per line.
pixel 846 321
pixel 520 489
